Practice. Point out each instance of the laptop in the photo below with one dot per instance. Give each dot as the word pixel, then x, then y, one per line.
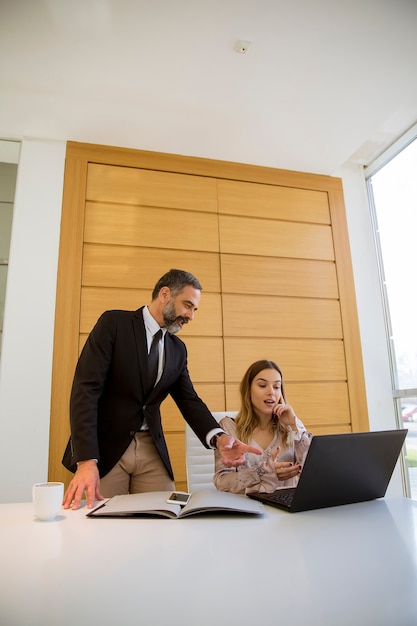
pixel 341 469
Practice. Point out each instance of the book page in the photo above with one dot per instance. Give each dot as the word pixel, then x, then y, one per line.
pixel 213 500
pixel 153 503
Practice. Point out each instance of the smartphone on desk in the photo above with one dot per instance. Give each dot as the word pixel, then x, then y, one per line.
pixel 179 497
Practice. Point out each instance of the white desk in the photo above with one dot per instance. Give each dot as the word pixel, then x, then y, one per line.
pixel 350 565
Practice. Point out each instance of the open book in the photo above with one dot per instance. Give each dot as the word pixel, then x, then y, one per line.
pixel 155 504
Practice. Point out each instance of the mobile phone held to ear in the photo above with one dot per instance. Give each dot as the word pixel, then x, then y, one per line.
pixel 179 497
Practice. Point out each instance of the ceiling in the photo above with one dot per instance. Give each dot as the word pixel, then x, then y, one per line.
pixel 324 82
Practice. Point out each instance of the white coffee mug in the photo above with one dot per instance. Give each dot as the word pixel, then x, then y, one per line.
pixel 47 499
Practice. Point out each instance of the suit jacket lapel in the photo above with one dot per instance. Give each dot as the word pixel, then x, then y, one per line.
pixel 141 349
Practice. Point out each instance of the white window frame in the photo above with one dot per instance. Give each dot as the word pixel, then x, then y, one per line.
pixel 397 393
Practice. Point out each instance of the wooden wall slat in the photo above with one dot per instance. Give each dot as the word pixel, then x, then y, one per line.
pixel 334 430
pixel 213 394
pixel 157 228
pixel 125 185
pixel 273 201
pixel 239 235
pixel 96 300
pixel 176 446
pixel 300 359
pixel 205 358
pixel 245 316
pixel 320 402
pixel 135 267
pixel 272 276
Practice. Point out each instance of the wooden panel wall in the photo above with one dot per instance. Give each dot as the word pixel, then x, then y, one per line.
pixel 271 250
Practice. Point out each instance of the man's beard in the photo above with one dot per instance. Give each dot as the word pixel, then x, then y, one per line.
pixel 172 320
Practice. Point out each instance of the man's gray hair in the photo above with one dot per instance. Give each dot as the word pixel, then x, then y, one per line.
pixel 176 280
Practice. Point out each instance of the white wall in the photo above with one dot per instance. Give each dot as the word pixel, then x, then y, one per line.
pixel 369 303
pixel 26 359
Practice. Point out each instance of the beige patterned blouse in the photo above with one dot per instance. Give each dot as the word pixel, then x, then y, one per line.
pixel 258 473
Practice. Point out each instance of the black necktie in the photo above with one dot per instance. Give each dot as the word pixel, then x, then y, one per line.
pixel 153 360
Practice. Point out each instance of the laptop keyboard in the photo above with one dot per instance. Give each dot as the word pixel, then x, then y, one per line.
pixel 279 496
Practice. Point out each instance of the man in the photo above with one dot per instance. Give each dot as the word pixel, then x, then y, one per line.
pixel 117 443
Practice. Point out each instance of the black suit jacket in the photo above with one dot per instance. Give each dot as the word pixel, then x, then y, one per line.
pixel 108 400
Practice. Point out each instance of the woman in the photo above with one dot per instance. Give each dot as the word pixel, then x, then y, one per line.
pixel 267 422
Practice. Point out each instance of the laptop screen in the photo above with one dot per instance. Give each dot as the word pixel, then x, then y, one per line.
pixel 346 468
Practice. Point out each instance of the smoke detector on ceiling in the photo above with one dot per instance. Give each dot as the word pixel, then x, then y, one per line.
pixel 242 46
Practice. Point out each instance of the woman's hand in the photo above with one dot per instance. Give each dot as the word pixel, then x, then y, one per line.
pixel 285 413
pixel 285 469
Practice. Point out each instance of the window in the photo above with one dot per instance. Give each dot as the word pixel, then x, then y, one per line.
pixel 392 189
pixel 9 152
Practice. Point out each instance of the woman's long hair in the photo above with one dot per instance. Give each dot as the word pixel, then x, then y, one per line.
pixel 246 419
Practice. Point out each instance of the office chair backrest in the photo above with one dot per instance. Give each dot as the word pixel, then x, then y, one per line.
pixel 199 460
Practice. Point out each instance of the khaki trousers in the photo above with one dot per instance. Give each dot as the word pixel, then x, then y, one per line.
pixel 140 469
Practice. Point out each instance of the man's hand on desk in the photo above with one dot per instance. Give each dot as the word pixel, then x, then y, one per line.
pixel 233 451
pixel 86 478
